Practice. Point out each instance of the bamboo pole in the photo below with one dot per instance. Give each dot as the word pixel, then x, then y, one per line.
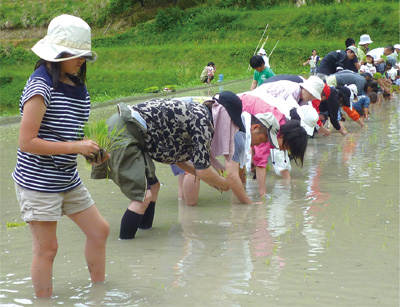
pixel 262 46
pixel 273 48
pixel 255 51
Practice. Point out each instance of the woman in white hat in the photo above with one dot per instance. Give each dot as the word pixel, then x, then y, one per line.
pixel 362 49
pixel 54 106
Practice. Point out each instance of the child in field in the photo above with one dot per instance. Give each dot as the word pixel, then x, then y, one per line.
pixel 361 105
pixel 313 60
pixel 207 75
pixel 54 106
pixel 369 66
pixel 261 73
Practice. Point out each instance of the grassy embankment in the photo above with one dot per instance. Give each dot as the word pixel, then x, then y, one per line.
pixel 173 48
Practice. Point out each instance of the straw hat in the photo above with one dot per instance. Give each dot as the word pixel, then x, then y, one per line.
pixel 308 118
pixel 314 85
pixel 66 34
pixel 269 120
pixel 365 39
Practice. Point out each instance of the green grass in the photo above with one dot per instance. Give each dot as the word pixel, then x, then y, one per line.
pixel 173 48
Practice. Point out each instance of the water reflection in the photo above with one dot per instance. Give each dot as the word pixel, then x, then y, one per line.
pixel 330 236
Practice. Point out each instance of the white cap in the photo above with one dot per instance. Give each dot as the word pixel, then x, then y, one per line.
pixel 308 118
pixel 314 85
pixel 271 123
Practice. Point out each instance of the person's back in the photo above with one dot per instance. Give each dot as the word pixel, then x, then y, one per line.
pixel 329 62
pixel 349 77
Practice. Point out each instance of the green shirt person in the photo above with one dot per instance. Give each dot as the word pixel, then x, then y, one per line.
pixel 261 72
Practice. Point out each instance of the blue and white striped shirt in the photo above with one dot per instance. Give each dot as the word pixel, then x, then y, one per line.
pixel 68 109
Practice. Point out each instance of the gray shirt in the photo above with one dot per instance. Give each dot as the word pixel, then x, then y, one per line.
pixel 240 143
pixel 348 77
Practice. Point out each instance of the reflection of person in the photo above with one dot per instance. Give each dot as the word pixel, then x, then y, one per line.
pixel 166 130
pixel 54 106
pixel 208 73
pixel 261 72
pixel 313 60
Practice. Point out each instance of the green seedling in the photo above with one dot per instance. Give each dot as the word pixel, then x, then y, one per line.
pixel 346 216
pixel 223 173
pixel 107 141
pixel 15 224
pixel 327 239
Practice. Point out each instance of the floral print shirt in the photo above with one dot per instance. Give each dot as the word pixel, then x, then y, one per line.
pixel 177 131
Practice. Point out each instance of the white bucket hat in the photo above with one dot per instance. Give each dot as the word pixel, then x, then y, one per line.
pixel 396 46
pixel 308 118
pixel 66 34
pixel 314 85
pixel 365 39
pixel 269 120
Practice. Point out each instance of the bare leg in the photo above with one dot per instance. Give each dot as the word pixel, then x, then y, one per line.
pixel 242 174
pixel 180 186
pixel 44 251
pixel 96 229
pixel 191 189
pixel 140 206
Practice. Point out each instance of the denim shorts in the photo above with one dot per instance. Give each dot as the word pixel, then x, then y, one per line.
pixel 40 206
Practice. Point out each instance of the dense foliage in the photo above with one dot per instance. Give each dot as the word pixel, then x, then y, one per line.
pixel 175 44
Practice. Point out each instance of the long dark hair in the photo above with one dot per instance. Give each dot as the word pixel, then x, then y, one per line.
pixel 296 137
pixel 55 68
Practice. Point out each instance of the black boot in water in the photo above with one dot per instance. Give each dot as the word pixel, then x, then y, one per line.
pixel 129 224
pixel 148 217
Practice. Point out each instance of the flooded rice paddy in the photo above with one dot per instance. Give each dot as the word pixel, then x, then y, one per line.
pixel 329 237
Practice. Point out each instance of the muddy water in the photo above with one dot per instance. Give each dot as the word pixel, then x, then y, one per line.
pixel 330 237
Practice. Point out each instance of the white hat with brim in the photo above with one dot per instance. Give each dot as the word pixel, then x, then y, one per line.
pixel 308 118
pixel 271 123
pixel 66 35
pixel 365 39
pixel 314 86
pixel 396 46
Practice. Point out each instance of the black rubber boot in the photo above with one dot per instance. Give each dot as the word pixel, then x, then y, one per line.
pixel 148 217
pixel 129 224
